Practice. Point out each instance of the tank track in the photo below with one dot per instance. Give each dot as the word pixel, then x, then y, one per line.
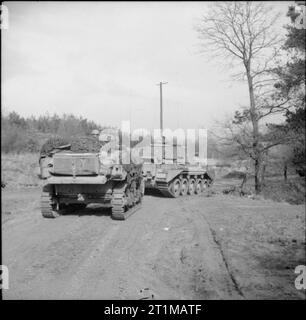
pixel 164 188
pixel 120 208
pixel 47 206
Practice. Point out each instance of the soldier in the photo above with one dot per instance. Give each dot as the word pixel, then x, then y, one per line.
pixel 95 133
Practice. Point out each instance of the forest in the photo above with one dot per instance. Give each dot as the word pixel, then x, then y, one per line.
pixel 23 135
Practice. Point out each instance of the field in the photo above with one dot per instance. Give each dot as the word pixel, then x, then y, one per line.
pixel 20 170
pixel 213 246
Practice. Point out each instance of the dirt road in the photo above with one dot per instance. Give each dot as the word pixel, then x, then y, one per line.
pixel 186 248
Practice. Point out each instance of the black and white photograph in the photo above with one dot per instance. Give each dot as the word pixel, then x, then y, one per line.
pixel 153 151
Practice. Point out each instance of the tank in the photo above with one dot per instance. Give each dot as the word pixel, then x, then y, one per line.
pixel 180 180
pixel 177 180
pixel 174 178
pixel 77 179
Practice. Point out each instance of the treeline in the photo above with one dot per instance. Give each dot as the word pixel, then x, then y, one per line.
pixel 19 134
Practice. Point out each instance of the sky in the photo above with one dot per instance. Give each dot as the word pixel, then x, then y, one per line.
pixel 103 61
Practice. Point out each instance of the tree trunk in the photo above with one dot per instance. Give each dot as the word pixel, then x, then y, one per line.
pixel 254 119
pixel 264 156
pixel 263 172
pixel 258 184
pixel 285 172
pixel 244 180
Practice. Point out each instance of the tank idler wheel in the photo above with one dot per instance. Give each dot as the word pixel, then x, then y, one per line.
pixel 204 185
pixel 175 187
pixel 184 187
pixel 198 186
pixel 191 187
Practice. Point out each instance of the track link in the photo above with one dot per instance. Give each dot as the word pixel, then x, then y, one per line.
pixel 47 206
pixel 120 208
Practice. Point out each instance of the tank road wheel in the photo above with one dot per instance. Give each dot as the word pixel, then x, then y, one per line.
pixel 204 185
pixel 175 188
pixel 198 186
pixel 48 205
pixel 184 187
pixel 191 187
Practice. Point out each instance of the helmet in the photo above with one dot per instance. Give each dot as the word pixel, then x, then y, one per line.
pixel 95 132
pixel 108 134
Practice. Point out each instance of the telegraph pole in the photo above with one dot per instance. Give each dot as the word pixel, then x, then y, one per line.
pixel 161 118
pixel 161 104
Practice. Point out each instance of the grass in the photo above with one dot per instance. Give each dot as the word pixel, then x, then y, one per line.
pixel 292 191
pixel 19 170
pixel 262 241
pixel 234 174
pixel 275 188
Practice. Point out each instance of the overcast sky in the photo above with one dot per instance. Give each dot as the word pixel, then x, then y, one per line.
pixel 103 60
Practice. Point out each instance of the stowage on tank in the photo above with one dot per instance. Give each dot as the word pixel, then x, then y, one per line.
pixel 83 175
pixel 49 148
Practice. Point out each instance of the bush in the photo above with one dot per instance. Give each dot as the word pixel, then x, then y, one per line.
pixel 234 175
pixel 19 170
pixel 292 191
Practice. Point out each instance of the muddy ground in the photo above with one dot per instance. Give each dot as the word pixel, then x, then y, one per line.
pixel 197 247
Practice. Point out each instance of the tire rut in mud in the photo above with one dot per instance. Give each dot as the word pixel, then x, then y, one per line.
pixel 218 246
pixel 217 242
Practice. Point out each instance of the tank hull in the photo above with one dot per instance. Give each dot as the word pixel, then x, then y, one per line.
pixel 178 180
pixel 77 180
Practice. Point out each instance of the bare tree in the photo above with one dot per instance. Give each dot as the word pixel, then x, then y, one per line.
pixel 244 33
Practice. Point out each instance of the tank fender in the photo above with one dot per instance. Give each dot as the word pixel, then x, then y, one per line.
pixel 172 174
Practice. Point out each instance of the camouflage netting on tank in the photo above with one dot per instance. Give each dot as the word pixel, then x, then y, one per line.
pixel 51 144
pixel 85 144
